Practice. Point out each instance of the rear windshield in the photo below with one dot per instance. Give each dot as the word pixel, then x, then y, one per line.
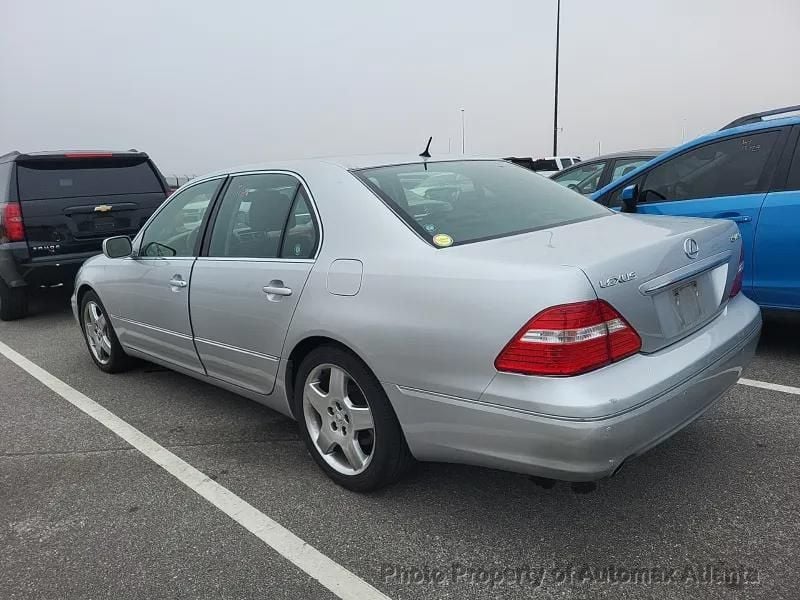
pixel 72 178
pixel 545 164
pixel 450 203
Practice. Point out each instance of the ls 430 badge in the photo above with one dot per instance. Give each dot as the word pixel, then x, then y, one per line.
pixel 621 278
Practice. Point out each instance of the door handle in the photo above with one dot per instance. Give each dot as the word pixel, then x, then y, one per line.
pixel 735 218
pixel 277 290
pixel 177 281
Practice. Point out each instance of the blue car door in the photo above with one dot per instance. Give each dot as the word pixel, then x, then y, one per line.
pixel 777 244
pixel 726 179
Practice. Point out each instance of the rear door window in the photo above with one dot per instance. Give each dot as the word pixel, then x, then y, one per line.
pixel 81 177
pixel 253 216
pixel 300 238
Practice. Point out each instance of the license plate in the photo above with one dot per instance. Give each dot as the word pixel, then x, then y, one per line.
pixel 687 303
pixel 104 223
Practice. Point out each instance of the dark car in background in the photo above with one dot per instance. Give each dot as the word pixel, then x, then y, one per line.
pixel 589 176
pixel 176 181
pixel 56 208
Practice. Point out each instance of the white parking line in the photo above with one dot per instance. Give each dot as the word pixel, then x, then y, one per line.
pixel 330 574
pixel 775 387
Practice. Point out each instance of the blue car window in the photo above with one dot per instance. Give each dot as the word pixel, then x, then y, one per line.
pixel 793 183
pixel 727 167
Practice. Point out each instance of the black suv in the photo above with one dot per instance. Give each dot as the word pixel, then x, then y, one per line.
pixel 56 208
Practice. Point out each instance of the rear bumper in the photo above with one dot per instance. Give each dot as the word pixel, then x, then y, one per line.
pixel 497 432
pixel 17 270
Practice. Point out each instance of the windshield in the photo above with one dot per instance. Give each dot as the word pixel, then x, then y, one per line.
pixel 450 203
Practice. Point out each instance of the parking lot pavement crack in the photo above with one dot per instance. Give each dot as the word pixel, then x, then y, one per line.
pixel 232 443
pixel 66 452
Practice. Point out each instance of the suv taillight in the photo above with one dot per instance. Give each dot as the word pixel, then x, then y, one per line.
pixel 12 227
pixel 737 282
pixel 570 339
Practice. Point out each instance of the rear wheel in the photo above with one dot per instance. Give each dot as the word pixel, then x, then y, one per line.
pixel 13 302
pixel 101 340
pixel 347 422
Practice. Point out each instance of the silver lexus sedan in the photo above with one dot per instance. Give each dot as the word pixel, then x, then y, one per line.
pixel 494 318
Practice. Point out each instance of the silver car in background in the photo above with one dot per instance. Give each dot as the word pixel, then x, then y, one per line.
pixel 590 175
pixel 494 318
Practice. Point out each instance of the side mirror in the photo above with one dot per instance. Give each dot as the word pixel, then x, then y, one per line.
pixel 117 247
pixel 630 198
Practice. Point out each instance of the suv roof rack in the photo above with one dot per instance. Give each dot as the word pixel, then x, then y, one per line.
pixel 759 116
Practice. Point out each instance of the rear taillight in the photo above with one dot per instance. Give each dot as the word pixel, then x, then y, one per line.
pixel 570 339
pixel 13 230
pixel 737 282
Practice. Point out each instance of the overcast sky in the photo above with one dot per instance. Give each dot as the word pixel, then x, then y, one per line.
pixel 204 85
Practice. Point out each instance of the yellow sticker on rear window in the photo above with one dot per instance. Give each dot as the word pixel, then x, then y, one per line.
pixel 442 240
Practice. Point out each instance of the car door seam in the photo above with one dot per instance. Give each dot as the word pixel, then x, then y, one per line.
pixel 189 313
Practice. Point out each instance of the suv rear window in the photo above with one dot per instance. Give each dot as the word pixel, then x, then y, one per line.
pixel 71 178
pixel 471 201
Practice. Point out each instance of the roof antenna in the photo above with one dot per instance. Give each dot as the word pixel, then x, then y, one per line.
pixel 427 152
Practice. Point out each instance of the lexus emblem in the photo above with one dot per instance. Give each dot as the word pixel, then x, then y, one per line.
pixel 691 248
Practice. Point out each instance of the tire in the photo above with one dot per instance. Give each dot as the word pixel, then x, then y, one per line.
pixel 103 345
pixel 13 302
pixel 322 424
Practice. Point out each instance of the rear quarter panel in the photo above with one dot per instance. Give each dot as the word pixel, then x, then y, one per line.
pixel 427 318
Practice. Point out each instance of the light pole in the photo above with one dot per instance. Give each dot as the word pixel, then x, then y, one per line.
pixel 462 131
pixel 555 102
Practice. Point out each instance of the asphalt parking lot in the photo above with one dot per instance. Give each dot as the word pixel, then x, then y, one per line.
pixel 84 515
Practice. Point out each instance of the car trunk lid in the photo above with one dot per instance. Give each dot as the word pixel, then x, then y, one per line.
pixel 641 265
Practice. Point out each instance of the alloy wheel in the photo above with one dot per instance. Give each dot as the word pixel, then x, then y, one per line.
pixel 95 325
pixel 339 419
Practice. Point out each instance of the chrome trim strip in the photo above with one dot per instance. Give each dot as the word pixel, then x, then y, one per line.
pixel 679 275
pixel 255 260
pixel 237 349
pixel 152 327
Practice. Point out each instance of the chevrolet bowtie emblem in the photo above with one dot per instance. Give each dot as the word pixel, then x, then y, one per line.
pixel 103 208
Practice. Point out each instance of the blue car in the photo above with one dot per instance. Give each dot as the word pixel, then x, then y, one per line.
pixel 748 172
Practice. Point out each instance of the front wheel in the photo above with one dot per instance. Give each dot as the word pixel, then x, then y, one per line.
pixel 347 422
pixel 101 340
